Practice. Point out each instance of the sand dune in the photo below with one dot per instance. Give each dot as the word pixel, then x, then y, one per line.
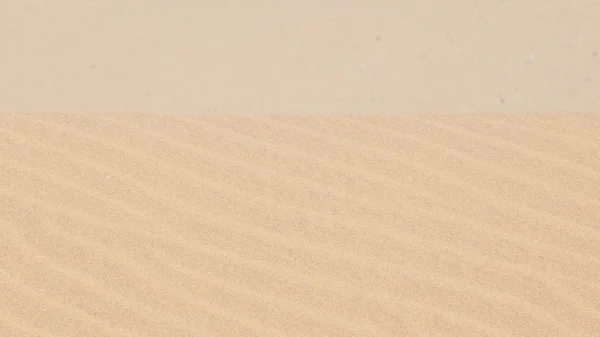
pixel 417 225
pixel 299 168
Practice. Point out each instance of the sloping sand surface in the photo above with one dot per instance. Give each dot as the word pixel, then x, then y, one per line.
pixel 299 168
pixel 417 225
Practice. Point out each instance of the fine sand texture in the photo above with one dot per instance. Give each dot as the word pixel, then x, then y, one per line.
pixel 407 225
pixel 299 168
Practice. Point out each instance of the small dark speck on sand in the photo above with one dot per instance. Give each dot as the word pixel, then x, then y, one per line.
pixel 378 38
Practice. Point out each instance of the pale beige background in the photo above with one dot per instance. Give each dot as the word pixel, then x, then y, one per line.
pixel 300 56
pixel 184 168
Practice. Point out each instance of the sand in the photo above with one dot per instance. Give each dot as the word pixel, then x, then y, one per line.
pixel 314 168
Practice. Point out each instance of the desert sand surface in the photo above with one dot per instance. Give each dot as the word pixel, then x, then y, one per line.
pixel 412 225
pixel 299 168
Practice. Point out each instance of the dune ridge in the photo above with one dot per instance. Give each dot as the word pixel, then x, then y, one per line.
pixel 380 225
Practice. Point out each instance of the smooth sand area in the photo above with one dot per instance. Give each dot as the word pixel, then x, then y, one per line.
pixel 291 56
pixel 299 168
